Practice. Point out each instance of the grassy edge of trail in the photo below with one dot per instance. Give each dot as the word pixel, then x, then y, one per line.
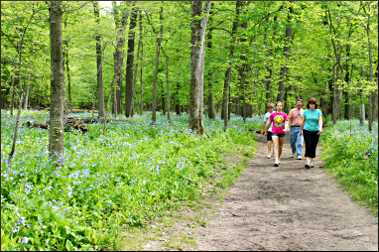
pixel 190 214
pixel 350 159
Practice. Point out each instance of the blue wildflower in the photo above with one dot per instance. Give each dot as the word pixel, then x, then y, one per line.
pixel 21 221
pixel 16 229
pixel 28 188
pixel 24 240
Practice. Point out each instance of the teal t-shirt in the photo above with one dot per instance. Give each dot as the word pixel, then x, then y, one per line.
pixel 311 119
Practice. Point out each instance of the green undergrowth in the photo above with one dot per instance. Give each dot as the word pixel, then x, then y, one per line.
pixel 350 152
pixel 117 177
pixel 192 214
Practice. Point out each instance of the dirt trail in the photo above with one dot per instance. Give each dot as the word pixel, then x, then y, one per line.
pixel 287 208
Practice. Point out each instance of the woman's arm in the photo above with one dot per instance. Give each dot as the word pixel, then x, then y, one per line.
pixel 268 122
pixel 302 124
pixel 286 126
pixel 320 123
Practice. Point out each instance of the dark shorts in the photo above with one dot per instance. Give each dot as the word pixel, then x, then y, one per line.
pixel 269 136
pixel 279 135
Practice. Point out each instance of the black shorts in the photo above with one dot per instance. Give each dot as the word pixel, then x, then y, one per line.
pixel 269 136
pixel 279 135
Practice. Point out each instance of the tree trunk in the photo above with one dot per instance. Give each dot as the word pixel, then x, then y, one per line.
pixel 371 98
pixel 67 65
pixel 211 108
pixel 177 100
pixel 118 56
pixel 156 66
pixel 283 85
pixel 15 132
pixel 167 92
pixel 12 93
pixel 336 70
pixel 268 67
pixel 99 64
pixel 129 87
pixel 56 150
pixel 26 98
pixel 362 110
pixel 198 27
pixel 228 72
pixel 243 69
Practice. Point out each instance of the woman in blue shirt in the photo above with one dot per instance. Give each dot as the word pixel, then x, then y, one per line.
pixel 311 128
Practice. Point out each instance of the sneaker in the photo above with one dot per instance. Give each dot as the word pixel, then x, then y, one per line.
pixel 307 166
pixel 299 157
pixel 291 156
pixel 268 156
pixel 276 165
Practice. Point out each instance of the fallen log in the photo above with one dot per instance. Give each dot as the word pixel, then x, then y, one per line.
pixel 31 124
pixel 69 124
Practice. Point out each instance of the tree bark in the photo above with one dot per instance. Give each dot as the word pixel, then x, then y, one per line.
pixel 67 65
pixel 336 70
pixel 56 150
pixel 26 99
pixel 156 66
pixel 168 100
pixel 268 67
pixel 99 64
pixel 211 108
pixel 198 28
pixel 177 100
pixel 243 69
pixel 283 81
pixel 228 72
pixel 118 55
pixel 371 98
pixel 129 87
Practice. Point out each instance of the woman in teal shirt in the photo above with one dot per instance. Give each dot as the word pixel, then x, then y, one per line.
pixel 311 128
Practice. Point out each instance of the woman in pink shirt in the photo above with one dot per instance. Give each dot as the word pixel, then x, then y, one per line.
pixel 279 121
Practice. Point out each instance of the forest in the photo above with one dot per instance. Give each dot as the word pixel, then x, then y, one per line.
pixel 107 102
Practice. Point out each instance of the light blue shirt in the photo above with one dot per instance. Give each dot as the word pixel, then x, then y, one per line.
pixel 311 118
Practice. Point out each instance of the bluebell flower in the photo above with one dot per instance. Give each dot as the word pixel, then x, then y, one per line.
pixel 69 191
pixel 157 169
pixel 86 172
pixel 24 240
pixel 16 229
pixel 21 221
pixel 28 188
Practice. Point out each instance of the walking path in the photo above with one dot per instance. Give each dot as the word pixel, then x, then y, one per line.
pixel 273 208
pixel 288 208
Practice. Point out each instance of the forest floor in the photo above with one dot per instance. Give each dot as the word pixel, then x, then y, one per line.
pixel 268 208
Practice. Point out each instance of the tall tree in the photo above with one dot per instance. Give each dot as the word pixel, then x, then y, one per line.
pixel 56 150
pixel 137 99
pixel 156 65
pixel 243 68
pixel 371 98
pixel 198 27
pixel 337 68
pixel 99 64
pixel 129 90
pixel 228 72
pixel 211 108
pixel 168 93
pixel 283 81
pixel 118 54
pixel 67 64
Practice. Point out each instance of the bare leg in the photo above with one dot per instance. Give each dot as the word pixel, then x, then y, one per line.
pixel 308 161
pixel 281 141
pixel 275 141
pixel 269 148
